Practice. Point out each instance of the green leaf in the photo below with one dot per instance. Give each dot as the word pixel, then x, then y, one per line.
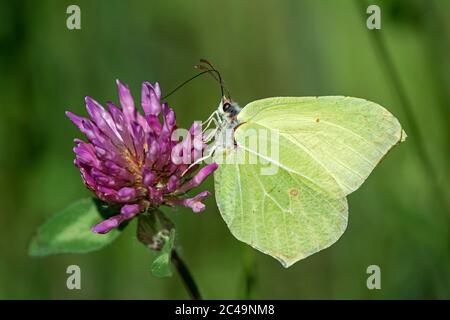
pixel 157 233
pixel 69 231
pixel 161 264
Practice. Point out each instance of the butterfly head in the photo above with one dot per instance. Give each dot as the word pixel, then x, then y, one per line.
pixel 228 108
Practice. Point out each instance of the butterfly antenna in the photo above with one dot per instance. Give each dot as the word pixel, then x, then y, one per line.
pixel 209 69
pixel 217 76
pixel 214 74
pixel 184 83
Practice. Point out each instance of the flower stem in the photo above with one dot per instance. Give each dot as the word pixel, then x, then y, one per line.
pixel 186 276
pixel 249 266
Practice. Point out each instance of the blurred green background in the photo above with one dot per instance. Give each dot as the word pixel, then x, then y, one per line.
pixel 399 219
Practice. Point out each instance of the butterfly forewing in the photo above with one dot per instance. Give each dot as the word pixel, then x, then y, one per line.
pixel 333 138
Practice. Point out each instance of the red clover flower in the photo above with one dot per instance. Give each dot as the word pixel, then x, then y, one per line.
pixel 133 160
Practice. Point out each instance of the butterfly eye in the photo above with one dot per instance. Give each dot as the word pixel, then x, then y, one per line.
pixel 226 107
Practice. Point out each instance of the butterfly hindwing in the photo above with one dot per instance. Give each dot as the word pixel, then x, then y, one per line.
pixel 277 214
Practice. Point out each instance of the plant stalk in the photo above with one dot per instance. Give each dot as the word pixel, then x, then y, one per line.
pixel 186 276
pixel 405 103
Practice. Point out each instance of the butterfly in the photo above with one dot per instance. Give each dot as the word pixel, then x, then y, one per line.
pixel 287 165
pixel 326 147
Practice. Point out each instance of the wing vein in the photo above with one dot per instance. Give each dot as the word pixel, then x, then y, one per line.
pixel 308 151
pixel 332 157
pixel 283 167
pixel 240 195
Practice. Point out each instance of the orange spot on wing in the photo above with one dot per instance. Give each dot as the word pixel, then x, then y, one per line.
pixel 293 192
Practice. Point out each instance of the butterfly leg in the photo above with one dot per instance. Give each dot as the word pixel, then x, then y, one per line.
pixel 208 124
pixel 210 119
pixel 211 135
pixel 200 160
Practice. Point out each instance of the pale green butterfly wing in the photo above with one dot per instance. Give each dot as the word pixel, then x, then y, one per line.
pixel 278 214
pixel 335 142
pixel 326 149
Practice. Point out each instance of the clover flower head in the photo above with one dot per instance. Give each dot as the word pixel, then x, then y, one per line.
pixel 132 160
